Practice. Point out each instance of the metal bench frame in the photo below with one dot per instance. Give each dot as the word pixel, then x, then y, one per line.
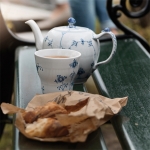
pixel 114 14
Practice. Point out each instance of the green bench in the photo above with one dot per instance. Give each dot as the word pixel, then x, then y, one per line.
pixel 25 73
pixel 128 74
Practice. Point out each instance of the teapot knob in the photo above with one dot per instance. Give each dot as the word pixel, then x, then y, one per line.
pixel 71 22
pixel 106 30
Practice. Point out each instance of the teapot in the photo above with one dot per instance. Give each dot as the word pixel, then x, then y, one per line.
pixel 76 38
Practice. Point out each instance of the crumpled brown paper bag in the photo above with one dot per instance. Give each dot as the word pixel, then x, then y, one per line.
pixel 88 112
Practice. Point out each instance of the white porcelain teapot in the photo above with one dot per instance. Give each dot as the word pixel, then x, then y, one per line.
pixel 76 38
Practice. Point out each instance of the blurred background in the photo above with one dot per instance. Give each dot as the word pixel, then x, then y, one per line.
pixel 16 12
pixel 49 14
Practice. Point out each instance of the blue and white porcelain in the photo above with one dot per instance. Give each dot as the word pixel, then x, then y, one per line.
pixel 57 74
pixel 76 38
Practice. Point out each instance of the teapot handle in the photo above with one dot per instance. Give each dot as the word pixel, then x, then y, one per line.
pixel 106 31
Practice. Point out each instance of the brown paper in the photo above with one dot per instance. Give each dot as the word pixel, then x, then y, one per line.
pixel 88 112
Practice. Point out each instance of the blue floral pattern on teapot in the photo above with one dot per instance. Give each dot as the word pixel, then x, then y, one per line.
pixel 76 38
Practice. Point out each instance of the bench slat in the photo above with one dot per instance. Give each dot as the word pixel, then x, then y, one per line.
pixel 128 74
pixel 27 85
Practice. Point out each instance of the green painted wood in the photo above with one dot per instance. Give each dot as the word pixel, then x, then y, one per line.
pixel 128 74
pixel 27 84
pixel 78 87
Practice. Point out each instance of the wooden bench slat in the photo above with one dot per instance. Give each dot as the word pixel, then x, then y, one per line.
pixel 128 74
pixel 27 85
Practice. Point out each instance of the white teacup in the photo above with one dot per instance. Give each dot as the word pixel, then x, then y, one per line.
pixel 57 69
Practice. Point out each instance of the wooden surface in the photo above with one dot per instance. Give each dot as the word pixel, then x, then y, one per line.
pixel 27 85
pixel 128 74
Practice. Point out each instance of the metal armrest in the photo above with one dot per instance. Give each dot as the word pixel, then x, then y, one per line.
pixel 114 13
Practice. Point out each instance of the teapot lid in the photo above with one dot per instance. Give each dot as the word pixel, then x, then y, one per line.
pixel 71 27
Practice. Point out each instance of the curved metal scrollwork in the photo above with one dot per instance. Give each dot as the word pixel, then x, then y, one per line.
pixel 135 3
pixel 114 13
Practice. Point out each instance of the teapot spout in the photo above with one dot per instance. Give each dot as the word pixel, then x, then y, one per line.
pixel 37 34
